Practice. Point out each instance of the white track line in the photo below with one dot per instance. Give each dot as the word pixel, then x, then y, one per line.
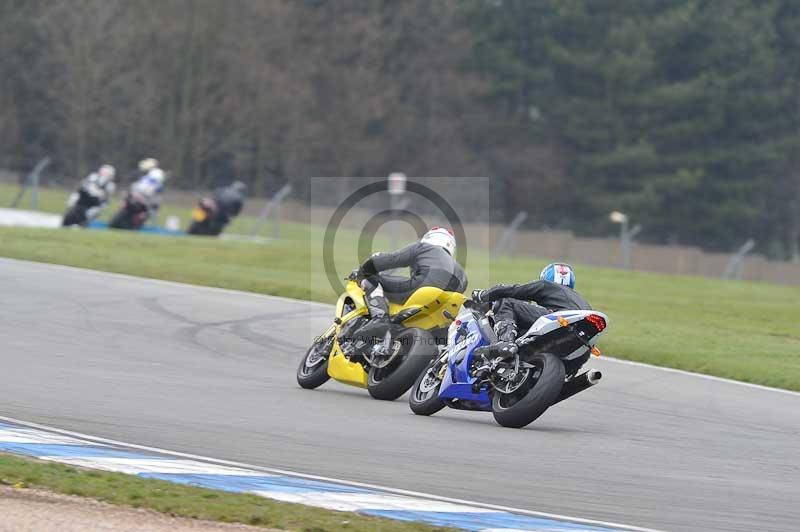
pixel 703 376
pixel 329 479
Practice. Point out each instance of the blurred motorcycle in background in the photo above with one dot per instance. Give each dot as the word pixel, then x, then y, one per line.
pixel 133 213
pixel 141 202
pixel 213 213
pixel 93 194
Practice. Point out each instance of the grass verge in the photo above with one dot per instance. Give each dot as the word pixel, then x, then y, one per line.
pixel 187 501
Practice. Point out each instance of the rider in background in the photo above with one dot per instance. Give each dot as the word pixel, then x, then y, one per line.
pixel 230 200
pixel 150 187
pixel 430 261
pixel 517 306
pixel 100 185
pixel 145 165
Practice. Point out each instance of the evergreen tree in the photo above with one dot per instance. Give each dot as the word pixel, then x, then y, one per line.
pixel 678 113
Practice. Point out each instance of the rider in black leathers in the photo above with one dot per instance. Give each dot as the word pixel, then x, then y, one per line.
pixel 224 204
pixel 517 307
pixel 521 305
pixel 430 261
pixel 230 199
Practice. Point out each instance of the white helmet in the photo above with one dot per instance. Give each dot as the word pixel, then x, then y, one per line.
pixel 442 237
pixel 148 164
pixel 157 174
pixel 107 172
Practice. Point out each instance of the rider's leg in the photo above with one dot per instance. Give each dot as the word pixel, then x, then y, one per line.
pixel 379 290
pixel 396 288
pixel 377 303
pixel 513 315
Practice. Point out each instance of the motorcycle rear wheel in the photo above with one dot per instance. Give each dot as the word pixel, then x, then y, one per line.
pixel 121 220
pixel 424 396
pixel 417 347
pixel 313 369
pixel 534 397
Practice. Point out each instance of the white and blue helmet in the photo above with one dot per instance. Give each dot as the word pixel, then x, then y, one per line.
pixel 559 273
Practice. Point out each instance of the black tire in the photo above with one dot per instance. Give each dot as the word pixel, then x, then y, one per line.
pixel 389 383
pixel 313 376
pixel 426 402
pixel 205 228
pixel 121 220
pixel 75 216
pixel 515 410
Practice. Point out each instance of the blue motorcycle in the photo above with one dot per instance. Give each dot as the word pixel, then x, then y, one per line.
pixel 516 381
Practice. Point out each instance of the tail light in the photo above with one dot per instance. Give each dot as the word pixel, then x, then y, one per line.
pixel 596 320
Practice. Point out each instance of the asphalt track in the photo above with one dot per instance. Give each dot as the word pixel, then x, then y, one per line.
pixel 211 372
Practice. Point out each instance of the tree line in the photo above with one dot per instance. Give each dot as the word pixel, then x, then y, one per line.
pixel 684 114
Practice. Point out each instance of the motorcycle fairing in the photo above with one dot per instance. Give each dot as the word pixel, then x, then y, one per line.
pixel 432 303
pixel 199 215
pixel 550 322
pixel 339 366
pixel 457 383
pixel 555 320
pixel 343 370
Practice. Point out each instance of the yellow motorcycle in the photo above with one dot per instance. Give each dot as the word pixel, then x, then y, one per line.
pixel 387 366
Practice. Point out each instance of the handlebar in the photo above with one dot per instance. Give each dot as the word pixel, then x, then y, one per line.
pixel 471 304
pixel 352 276
pixel 494 348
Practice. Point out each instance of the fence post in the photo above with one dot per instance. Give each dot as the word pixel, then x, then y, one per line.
pixel 272 207
pixel 733 270
pixel 627 243
pixel 626 236
pixel 506 243
pixel 32 180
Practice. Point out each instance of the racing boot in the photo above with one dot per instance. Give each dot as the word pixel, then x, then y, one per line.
pixel 487 361
pixel 378 305
pixel 504 347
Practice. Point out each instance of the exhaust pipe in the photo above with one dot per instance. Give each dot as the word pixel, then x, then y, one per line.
pixel 593 376
pixel 579 383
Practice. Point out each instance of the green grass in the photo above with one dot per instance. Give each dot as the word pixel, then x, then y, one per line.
pixel 740 330
pixel 186 501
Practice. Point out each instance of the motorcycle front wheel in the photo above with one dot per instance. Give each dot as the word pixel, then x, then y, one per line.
pixel 74 216
pixel 536 393
pixel 313 369
pixel 424 396
pixel 416 347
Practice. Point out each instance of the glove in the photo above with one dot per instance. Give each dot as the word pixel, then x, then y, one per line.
pixel 476 295
pixel 505 348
